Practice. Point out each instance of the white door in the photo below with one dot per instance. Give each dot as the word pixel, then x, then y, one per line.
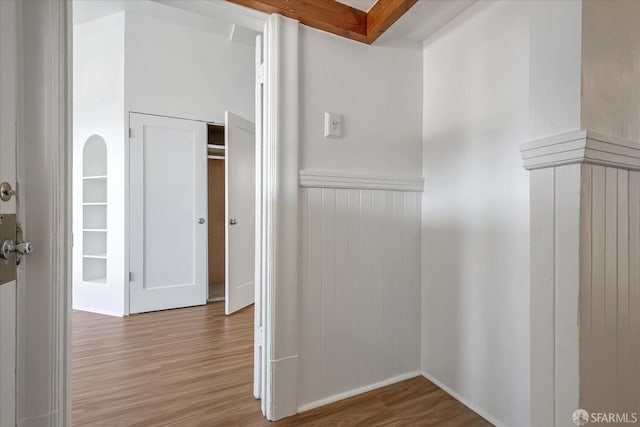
pixel 240 172
pixel 168 213
pixel 8 136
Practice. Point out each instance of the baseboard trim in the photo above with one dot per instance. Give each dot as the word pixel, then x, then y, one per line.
pixel 283 388
pixel 356 391
pixel 464 401
pixel 98 311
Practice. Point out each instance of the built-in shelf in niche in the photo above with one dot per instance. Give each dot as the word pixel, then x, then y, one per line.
pixel 94 211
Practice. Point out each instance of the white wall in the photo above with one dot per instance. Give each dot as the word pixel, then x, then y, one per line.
pixel 360 285
pixel 475 209
pixel 98 109
pixel 178 71
pixel 376 89
pixel 554 72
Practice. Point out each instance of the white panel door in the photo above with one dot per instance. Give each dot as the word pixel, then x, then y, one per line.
pixel 8 136
pixel 168 213
pixel 240 172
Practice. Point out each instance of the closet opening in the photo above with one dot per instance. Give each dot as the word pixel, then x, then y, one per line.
pixel 216 210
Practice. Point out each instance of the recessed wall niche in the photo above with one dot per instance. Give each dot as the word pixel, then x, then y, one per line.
pixel 94 210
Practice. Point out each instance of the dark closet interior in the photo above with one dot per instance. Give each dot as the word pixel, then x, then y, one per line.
pixel 216 188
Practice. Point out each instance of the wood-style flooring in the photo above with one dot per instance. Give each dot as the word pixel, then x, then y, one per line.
pixel 193 367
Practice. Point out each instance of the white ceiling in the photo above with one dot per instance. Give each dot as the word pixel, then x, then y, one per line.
pixel 217 17
pixel 423 20
pixel 221 17
pixel 359 4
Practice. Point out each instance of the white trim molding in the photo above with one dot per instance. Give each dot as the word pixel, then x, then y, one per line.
pixel 279 235
pixel 335 179
pixel 582 146
pixel 44 351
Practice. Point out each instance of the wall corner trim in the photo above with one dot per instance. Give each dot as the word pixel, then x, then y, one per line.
pixel 338 179
pixel 582 146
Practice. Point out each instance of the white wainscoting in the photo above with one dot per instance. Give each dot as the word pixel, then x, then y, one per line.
pixel 360 295
pixel 610 290
pixel 585 275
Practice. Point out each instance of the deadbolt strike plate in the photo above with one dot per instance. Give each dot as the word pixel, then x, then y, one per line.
pixel 7 231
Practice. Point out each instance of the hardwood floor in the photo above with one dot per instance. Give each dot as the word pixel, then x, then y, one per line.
pixel 193 367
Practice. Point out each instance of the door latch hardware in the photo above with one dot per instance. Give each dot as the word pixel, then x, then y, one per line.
pixel 22 247
pixel 233 221
pixel 7 232
pixel 12 248
pixel 6 192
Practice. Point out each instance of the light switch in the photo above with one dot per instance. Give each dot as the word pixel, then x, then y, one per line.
pixel 333 125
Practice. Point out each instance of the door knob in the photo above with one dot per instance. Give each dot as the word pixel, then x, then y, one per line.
pixel 233 221
pixel 6 192
pixel 9 247
pixel 200 220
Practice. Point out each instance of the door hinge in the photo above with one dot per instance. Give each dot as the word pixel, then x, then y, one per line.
pixel 130 276
pixel 260 73
pixel 260 336
pixel 130 132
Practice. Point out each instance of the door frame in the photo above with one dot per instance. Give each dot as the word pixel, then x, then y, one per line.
pixel 279 190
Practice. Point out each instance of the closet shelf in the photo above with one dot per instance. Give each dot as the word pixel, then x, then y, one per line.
pixel 95 177
pixel 95 204
pixel 95 230
pixel 215 146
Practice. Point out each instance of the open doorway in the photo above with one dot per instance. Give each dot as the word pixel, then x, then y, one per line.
pixel 157 154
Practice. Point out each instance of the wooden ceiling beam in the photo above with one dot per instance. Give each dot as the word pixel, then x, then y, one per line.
pixel 326 15
pixel 383 14
pixel 335 17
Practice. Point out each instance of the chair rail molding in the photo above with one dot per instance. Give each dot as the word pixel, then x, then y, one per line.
pixel 584 281
pixel 582 146
pixel 336 179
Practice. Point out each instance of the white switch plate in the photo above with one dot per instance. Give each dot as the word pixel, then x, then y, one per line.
pixel 332 125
